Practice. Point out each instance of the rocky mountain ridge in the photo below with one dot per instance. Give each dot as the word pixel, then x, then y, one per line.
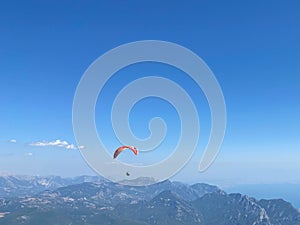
pixel 99 201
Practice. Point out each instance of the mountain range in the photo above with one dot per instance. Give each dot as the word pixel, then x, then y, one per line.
pixel 91 200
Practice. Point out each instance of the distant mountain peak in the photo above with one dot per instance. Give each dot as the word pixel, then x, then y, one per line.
pixel 168 194
pixel 140 181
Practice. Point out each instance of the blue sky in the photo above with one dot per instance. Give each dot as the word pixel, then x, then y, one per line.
pixel 252 47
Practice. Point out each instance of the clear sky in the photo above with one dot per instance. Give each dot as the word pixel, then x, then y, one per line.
pixel 252 47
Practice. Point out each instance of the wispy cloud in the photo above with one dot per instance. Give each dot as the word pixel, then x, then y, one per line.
pixel 29 154
pixel 56 143
pixel 13 141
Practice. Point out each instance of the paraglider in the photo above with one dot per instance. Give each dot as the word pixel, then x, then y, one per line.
pixel 122 148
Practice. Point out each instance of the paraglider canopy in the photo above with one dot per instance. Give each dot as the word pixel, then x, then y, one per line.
pixel 122 148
